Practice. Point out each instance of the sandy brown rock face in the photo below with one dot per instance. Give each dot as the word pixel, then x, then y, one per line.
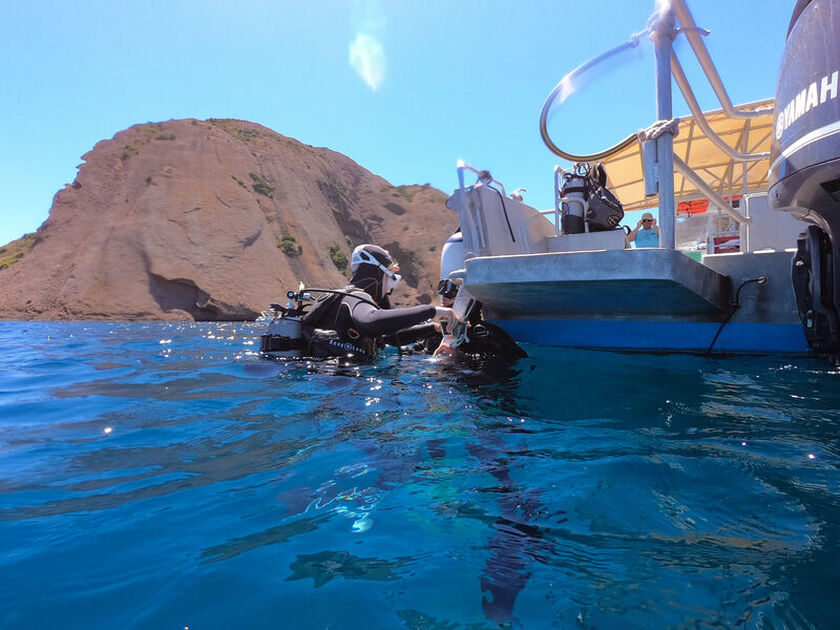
pixel 212 220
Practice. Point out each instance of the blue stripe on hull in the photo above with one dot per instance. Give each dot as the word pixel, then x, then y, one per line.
pixel 660 335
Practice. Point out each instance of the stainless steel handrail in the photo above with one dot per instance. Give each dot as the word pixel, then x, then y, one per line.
pixel 564 83
pixel 557 202
pixel 700 118
pixel 691 32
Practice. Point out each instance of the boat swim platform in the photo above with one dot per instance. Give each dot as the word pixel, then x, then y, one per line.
pixel 647 284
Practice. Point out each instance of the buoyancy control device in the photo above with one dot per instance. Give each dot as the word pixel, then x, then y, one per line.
pixel 586 201
pixel 294 332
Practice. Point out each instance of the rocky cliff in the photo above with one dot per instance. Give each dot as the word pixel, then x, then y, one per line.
pixel 211 220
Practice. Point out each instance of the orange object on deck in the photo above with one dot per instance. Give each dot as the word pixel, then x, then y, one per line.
pixel 699 206
pixel 696 206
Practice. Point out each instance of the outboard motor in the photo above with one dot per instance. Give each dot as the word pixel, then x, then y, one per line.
pixel 805 163
pixel 815 297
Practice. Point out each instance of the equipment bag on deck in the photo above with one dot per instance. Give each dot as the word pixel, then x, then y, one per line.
pixel 604 210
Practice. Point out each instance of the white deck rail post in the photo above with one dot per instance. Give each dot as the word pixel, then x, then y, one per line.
pixel 662 35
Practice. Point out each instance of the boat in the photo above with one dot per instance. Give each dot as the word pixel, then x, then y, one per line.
pixel 768 281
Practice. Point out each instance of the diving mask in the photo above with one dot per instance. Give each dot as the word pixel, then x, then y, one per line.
pixel 447 289
pixel 390 280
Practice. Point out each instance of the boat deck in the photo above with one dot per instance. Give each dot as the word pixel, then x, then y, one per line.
pixel 646 284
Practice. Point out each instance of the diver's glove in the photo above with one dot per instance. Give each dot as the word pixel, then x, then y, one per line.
pixel 447 318
pixel 447 346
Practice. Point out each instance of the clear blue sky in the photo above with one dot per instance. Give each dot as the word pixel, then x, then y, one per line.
pixel 404 87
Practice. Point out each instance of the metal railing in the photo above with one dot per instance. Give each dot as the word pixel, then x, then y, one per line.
pixel 662 30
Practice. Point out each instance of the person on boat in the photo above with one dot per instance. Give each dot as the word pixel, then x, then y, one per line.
pixel 646 233
pixel 358 319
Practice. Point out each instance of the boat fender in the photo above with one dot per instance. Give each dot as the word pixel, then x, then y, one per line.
pixel 452 255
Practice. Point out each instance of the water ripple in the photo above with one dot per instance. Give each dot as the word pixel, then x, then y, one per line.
pixel 163 475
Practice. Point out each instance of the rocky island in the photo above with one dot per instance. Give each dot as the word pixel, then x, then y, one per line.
pixel 211 220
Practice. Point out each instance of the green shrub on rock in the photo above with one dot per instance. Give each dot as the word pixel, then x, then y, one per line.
pixel 262 186
pixel 338 257
pixel 289 245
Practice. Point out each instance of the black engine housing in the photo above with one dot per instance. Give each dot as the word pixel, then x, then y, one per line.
pixel 805 162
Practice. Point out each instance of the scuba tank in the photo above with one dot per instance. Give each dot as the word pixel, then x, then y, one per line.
pixel 452 261
pixel 294 332
pixel 587 204
pixel 573 199
pixel 284 337
pixel 452 255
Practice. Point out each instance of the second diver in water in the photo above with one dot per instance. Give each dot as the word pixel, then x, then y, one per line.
pixel 481 339
pixel 473 338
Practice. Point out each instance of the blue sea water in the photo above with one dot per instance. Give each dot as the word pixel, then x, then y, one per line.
pixel 164 476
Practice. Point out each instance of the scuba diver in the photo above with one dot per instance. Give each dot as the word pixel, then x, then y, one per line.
pixel 359 320
pixel 480 338
pixel 473 336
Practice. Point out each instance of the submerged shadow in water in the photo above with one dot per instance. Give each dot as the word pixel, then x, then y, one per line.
pixel 325 566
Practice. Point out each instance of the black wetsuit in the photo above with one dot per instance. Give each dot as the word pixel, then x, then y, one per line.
pixel 350 322
pixel 483 340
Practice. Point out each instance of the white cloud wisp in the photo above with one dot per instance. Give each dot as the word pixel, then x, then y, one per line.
pixel 367 57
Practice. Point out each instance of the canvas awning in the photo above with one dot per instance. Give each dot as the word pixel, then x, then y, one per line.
pixel 721 172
